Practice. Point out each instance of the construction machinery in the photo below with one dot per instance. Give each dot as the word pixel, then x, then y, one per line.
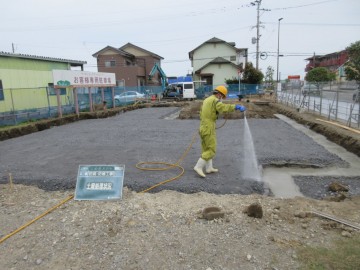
pixel 157 68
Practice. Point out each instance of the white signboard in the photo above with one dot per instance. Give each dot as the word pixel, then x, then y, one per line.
pixel 72 78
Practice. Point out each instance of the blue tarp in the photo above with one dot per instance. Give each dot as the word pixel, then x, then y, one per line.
pixel 180 79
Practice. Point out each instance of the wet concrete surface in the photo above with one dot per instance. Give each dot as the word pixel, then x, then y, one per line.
pixel 50 159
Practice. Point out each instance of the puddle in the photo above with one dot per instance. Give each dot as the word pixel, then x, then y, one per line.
pixel 280 180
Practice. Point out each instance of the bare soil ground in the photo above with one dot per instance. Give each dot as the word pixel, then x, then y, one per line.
pixel 166 230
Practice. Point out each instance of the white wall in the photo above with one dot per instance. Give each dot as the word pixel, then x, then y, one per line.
pixel 221 72
pixel 208 52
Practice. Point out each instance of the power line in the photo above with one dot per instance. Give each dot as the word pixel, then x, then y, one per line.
pixel 312 4
pixel 319 24
pixel 269 53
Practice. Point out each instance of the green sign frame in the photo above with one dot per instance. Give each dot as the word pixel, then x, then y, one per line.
pixel 99 182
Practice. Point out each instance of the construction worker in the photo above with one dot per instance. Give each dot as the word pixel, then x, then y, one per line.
pixel 210 109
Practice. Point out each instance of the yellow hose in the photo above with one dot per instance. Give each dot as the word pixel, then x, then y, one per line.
pixel 139 166
pixel 168 166
pixel 35 219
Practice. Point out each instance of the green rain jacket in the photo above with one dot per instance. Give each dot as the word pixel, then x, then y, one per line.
pixel 211 107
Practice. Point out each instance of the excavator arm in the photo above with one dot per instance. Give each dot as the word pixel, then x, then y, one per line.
pixel 157 68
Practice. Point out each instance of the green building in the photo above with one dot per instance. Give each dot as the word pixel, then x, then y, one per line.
pixel 26 82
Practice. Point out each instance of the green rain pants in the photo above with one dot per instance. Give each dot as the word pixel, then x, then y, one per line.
pixel 208 141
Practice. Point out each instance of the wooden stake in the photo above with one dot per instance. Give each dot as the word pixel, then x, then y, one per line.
pixel 344 127
pixel 11 182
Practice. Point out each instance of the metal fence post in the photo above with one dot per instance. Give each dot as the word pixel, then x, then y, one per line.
pixel 113 95
pixel 337 103
pixel 313 109
pixel 102 94
pixel 90 100
pixel 321 95
pixel 48 101
pixel 58 102
pixel 350 117
pixel 13 106
pixel 76 101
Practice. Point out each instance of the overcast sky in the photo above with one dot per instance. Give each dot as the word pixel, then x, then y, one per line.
pixel 76 29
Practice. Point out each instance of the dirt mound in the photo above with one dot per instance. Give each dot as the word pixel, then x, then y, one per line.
pixel 255 109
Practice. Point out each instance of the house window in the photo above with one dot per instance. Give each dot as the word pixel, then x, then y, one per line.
pixel 120 83
pixel 52 90
pixel 128 63
pixel 110 63
pixel 1 91
pixel 233 58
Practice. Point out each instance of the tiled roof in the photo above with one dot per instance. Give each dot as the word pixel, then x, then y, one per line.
pixel 120 51
pixel 217 60
pixel 212 41
pixel 139 48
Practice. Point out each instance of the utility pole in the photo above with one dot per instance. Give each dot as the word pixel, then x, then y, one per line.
pixel 258 24
pixel 278 46
pixel 13 49
pixel 258 2
pixel 314 60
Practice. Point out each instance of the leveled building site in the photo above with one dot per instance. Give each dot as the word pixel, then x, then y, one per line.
pixel 161 132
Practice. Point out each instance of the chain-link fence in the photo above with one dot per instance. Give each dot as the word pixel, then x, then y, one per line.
pixel 27 104
pixel 20 105
pixel 336 101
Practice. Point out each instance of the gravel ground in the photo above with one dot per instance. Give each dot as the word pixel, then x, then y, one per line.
pixel 317 187
pixel 49 159
pixel 163 229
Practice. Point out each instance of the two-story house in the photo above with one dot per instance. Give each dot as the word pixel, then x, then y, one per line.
pixel 130 63
pixel 333 62
pixel 216 60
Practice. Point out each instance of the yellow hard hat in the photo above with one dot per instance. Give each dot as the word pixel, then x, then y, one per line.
pixel 222 89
